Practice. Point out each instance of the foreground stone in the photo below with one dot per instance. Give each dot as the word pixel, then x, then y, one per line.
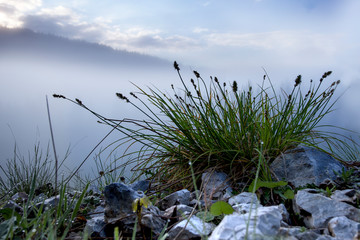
pixel 343 228
pixel 264 222
pixel 304 165
pixel 190 229
pixel 216 186
pixel 176 198
pixel 118 201
pixel 317 209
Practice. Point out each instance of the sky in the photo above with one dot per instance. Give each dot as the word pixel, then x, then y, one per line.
pixel 233 39
pixel 225 34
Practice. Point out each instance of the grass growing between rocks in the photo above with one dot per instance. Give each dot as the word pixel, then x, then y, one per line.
pixel 200 126
pixel 215 125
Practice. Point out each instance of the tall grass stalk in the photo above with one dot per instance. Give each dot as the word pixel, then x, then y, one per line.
pixel 215 125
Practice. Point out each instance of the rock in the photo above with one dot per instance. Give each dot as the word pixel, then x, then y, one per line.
pixel 317 209
pixel 304 165
pixel 179 197
pixel 142 185
pixel 151 218
pixel 286 232
pixel 201 203
pixel 284 213
pixel 20 197
pixel 343 228
pixel 118 201
pixel 51 202
pixel 181 210
pixel 301 233
pixel 98 212
pixel 216 185
pixel 261 224
pixel 244 197
pixel 95 226
pixel 189 229
pixel 245 207
pixel 347 196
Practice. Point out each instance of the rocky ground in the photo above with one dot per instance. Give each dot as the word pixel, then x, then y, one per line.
pixel 319 200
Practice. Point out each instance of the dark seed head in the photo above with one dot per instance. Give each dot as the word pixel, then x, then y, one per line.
pixel 133 94
pixel 297 80
pixel 234 86
pixel 176 66
pixel 78 101
pixel 58 96
pixel 197 75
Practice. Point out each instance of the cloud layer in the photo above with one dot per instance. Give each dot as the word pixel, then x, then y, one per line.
pixel 276 31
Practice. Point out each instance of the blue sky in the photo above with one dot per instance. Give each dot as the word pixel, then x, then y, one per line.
pixel 219 34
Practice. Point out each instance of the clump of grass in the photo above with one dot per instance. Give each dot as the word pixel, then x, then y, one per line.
pixel 216 125
pixel 19 171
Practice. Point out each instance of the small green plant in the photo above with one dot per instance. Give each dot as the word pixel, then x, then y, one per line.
pixel 271 190
pixel 345 175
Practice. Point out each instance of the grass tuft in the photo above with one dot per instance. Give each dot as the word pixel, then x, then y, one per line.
pixel 215 125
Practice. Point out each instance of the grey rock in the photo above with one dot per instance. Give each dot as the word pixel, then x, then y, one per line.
pixel 317 209
pixel 304 165
pixel 179 197
pixel 262 224
pixel 118 201
pixel 244 197
pixel 245 207
pixel 142 185
pixel 326 237
pixel 181 210
pixel 348 196
pixel 343 228
pixel 284 213
pixel 151 218
pixel 216 185
pixel 308 235
pixel 191 228
pixel 202 203
pixel 98 212
pixel 96 225
pixel 51 202
pixel 286 232
pixel 20 197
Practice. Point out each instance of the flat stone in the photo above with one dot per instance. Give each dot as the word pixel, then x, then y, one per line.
pixel 304 165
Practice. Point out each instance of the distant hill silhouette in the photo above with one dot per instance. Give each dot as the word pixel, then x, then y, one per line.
pixel 26 43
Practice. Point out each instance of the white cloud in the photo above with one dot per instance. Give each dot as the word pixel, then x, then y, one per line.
pixel 11 11
pixel 65 22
